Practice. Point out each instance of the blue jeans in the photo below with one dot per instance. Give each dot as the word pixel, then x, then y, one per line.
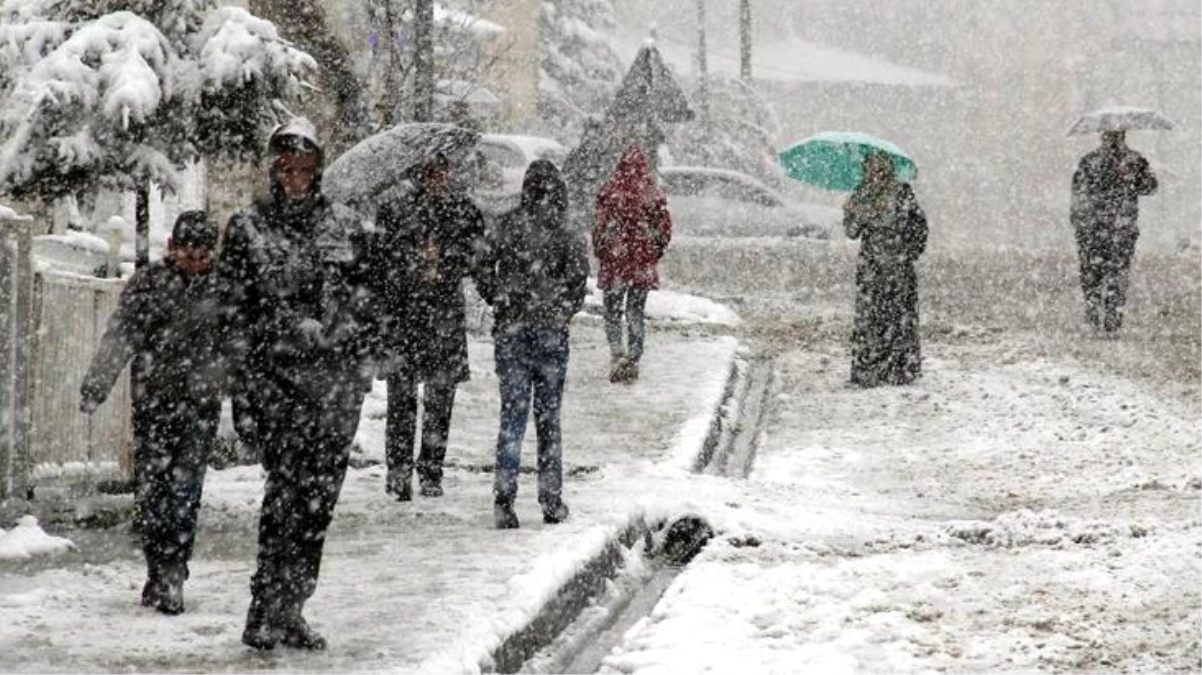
pixel 632 301
pixel 532 362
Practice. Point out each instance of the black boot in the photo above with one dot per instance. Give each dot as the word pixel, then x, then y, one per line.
pixel 401 488
pixel 171 596
pixel 431 487
pixel 295 632
pixel 261 631
pixel 555 512
pixel 152 590
pixel 503 516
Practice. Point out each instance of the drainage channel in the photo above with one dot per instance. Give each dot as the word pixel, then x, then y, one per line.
pixel 589 616
pixel 734 457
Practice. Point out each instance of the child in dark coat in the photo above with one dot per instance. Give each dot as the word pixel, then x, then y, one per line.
pixel 166 324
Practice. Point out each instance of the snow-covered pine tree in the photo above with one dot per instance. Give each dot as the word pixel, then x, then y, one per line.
pixel 579 68
pixel 118 94
pixel 740 134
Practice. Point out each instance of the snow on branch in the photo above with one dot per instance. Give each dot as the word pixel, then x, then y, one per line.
pixel 92 97
pixel 238 47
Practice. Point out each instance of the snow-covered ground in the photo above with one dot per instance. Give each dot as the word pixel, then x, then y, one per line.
pixel 1013 511
pixel 1009 513
pixel 427 585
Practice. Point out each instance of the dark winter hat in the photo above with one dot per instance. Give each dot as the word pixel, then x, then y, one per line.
pixel 544 182
pixel 193 228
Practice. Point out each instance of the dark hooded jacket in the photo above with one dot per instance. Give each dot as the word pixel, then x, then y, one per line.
pixel 297 310
pixel 422 312
pixel 538 265
pixel 167 321
pixel 1104 203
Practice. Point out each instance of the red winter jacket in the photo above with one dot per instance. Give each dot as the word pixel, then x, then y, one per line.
pixel 633 226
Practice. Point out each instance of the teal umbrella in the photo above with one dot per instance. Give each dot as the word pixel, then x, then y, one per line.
pixel 834 159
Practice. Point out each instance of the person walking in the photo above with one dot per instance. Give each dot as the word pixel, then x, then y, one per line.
pixel 298 333
pixel 166 321
pixel 630 234
pixel 536 280
pixel 431 240
pixel 1107 186
pixel 884 214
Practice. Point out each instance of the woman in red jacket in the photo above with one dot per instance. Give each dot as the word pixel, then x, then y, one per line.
pixel 630 234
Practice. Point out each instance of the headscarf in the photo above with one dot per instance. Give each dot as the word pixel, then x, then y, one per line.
pixel 873 200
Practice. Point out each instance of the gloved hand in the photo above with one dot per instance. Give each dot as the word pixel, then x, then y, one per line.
pixel 309 331
pixel 89 405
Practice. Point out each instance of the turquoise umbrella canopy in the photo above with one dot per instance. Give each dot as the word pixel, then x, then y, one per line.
pixel 834 160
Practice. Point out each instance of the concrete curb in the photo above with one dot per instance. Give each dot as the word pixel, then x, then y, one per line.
pixel 574 595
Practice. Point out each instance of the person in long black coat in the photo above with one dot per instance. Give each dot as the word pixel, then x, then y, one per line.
pixel 298 331
pixel 166 322
pixel 884 214
pixel 536 281
pixel 429 241
pixel 1105 212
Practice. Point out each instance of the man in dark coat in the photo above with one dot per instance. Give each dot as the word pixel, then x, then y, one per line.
pixel 166 322
pixel 299 331
pixel 429 241
pixel 538 272
pixel 1105 211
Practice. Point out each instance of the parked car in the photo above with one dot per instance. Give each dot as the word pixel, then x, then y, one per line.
pixel 710 202
pixel 496 168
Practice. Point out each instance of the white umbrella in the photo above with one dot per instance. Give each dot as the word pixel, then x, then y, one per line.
pixel 1119 118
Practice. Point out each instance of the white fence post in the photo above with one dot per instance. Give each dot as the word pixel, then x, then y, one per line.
pixel 16 279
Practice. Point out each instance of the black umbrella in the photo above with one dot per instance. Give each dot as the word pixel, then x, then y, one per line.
pixel 385 160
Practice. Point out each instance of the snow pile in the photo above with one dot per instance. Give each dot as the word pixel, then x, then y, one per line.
pixel 1042 528
pixel 28 539
pixel 74 252
pixel 77 240
pixel 7 213
pixel 672 306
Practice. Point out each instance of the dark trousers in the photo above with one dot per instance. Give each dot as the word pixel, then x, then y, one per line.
pixel 305 447
pixel 532 363
pixel 1105 260
pixel 630 302
pixel 173 443
pixel 400 429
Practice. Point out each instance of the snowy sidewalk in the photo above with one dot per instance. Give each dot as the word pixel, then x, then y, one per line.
pixel 426 585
